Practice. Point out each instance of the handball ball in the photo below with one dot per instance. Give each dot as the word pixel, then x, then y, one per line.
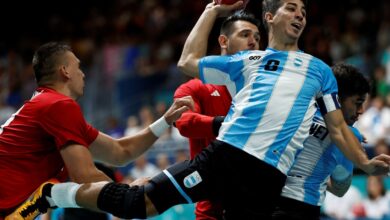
pixel 230 2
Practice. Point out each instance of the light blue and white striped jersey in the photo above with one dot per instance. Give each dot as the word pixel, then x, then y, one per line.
pixel 306 181
pixel 274 94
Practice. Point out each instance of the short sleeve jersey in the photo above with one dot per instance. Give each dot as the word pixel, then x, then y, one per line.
pixel 306 181
pixel 31 140
pixel 274 102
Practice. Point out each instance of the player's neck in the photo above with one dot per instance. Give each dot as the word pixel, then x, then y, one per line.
pixel 279 44
pixel 61 88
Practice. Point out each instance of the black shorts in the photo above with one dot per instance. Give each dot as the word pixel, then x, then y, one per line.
pixel 295 210
pixel 247 187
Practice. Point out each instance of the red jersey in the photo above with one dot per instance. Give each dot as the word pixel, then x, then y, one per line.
pixel 210 101
pixel 31 140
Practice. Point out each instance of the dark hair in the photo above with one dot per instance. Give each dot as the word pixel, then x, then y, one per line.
pixel 350 80
pixel 226 27
pixel 45 60
pixel 272 6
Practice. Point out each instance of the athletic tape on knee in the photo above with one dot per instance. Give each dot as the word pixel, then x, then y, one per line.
pixel 123 201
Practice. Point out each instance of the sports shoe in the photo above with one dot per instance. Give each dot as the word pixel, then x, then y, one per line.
pixel 35 205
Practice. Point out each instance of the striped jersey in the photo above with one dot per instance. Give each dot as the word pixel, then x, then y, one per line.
pixel 306 181
pixel 274 100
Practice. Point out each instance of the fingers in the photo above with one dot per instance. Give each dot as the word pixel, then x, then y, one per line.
pixel 225 10
pixel 176 114
pixel 184 101
pixel 237 5
pixel 380 165
pixel 179 106
pixel 182 109
pixel 364 139
pixel 383 157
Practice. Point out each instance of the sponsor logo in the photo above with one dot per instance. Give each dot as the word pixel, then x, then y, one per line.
pixel 215 93
pixel 192 180
pixel 254 57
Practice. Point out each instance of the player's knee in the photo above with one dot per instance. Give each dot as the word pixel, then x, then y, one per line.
pixel 122 200
pixel 165 191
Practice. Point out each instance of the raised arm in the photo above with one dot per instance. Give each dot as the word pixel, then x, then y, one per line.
pixel 195 46
pixel 122 151
pixel 346 141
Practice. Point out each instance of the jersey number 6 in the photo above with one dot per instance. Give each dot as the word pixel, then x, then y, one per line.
pixel 272 65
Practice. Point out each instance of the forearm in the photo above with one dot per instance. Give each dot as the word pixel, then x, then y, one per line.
pixel 136 145
pixel 350 146
pixel 195 46
pixel 119 152
pixel 345 140
pixel 92 175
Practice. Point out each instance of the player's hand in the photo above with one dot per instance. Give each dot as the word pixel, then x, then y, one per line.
pixel 378 165
pixel 225 10
pixel 364 139
pixel 179 106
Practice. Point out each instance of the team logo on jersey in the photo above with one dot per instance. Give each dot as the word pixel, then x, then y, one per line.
pixel 192 180
pixel 298 62
pixel 215 93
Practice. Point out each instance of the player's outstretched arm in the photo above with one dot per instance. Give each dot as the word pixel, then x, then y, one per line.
pixel 195 46
pixel 346 141
pixel 122 151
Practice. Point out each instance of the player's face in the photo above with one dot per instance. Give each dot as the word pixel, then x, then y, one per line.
pixel 290 19
pixel 76 79
pixel 245 36
pixel 352 108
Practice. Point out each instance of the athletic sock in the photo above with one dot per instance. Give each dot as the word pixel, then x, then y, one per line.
pixel 64 195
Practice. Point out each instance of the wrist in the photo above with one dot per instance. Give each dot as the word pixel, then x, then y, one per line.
pixel 159 127
pixel 211 11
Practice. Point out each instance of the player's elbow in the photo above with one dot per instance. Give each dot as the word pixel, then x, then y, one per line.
pixel 87 175
pixel 187 66
pixel 182 65
pixel 182 127
pixel 123 159
pixel 339 192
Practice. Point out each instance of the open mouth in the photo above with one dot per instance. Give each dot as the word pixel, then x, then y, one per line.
pixel 297 26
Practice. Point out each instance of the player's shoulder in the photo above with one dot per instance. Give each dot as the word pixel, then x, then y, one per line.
pixel 192 84
pixel 47 96
pixel 315 61
pixel 247 53
pixel 192 87
pixel 50 98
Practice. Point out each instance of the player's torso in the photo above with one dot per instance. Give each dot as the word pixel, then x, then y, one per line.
pixel 24 143
pixel 307 177
pixel 273 109
pixel 214 101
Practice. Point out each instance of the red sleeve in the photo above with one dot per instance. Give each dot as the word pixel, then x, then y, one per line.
pixel 192 124
pixel 65 122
